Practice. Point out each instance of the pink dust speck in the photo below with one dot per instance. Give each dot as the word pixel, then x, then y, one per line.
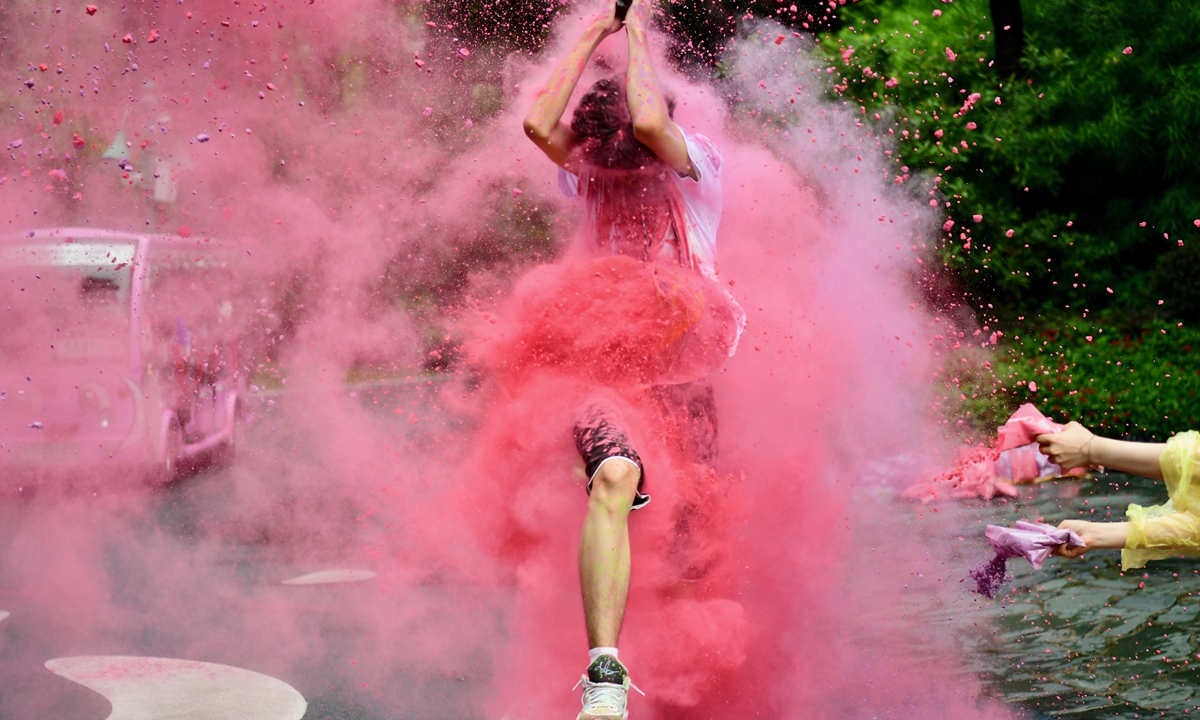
pixel 950 55
pixel 1127 51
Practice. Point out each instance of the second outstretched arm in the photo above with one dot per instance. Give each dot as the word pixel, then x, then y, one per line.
pixel 543 124
pixel 652 123
pixel 1076 446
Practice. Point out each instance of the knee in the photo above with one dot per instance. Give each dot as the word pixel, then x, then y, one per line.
pixel 616 482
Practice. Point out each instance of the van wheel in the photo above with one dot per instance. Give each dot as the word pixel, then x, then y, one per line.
pixel 167 469
pixel 226 452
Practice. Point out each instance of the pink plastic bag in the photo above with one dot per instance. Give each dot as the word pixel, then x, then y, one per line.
pixel 1020 459
pixel 1024 426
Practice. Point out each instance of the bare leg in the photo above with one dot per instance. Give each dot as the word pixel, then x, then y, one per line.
pixel 604 550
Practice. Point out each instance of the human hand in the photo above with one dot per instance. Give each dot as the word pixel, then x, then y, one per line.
pixel 1095 535
pixel 606 23
pixel 1083 529
pixel 1070 448
pixel 639 14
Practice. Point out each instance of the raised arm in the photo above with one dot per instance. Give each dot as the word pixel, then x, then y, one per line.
pixel 652 123
pixel 1076 447
pixel 544 124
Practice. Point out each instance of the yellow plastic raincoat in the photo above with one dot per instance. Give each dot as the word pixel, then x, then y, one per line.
pixel 1172 529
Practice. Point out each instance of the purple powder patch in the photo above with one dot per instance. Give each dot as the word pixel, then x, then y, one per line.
pixel 990 576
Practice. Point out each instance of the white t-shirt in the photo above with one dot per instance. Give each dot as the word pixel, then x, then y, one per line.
pixel 701 199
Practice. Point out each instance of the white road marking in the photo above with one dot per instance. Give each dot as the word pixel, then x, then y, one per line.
pixel 145 688
pixel 328 577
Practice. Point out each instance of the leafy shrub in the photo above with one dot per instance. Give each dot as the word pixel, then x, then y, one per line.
pixel 1078 165
pixel 1119 381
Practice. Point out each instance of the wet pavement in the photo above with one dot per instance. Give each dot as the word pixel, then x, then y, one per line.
pixel 1077 638
pixel 189 571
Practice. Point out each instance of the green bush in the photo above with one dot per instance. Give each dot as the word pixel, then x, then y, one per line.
pixel 1084 168
pixel 1120 381
pixel 1088 156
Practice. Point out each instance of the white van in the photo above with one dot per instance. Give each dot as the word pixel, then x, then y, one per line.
pixel 118 354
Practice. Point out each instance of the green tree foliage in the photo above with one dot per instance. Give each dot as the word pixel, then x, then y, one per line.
pixel 1083 167
pixel 1078 168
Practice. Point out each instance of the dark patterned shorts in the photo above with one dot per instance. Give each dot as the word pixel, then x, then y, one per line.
pixel 687 416
pixel 598 438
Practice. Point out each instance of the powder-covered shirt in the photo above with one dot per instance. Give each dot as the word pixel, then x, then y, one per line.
pixel 701 199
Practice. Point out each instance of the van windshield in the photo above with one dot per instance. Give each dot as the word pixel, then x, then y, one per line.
pixel 74 300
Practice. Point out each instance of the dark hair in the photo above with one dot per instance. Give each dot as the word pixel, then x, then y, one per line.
pixel 603 129
pixel 631 203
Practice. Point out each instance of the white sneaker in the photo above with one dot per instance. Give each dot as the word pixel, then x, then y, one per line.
pixel 605 698
pixel 604 701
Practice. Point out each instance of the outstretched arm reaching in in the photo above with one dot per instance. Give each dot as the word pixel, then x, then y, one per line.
pixel 1095 536
pixel 1076 446
pixel 652 123
pixel 544 124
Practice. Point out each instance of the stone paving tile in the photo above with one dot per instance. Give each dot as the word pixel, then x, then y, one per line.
pixel 1158 697
pixel 1181 614
pixel 1079 601
pixel 1153 600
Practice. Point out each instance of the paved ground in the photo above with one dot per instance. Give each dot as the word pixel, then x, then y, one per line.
pixel 189 571
pixel 1077 638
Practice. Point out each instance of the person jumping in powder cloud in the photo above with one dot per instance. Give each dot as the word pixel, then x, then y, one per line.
pixel 652 191
pixel 1152 533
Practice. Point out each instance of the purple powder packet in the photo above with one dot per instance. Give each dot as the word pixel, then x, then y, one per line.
pixel 1031 540
pixel 990 576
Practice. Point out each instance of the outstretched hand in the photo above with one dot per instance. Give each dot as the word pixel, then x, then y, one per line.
pixel 1095 535
pixel 1082 528
pixel 606 22
pixel 1070 448
pixel 639 14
